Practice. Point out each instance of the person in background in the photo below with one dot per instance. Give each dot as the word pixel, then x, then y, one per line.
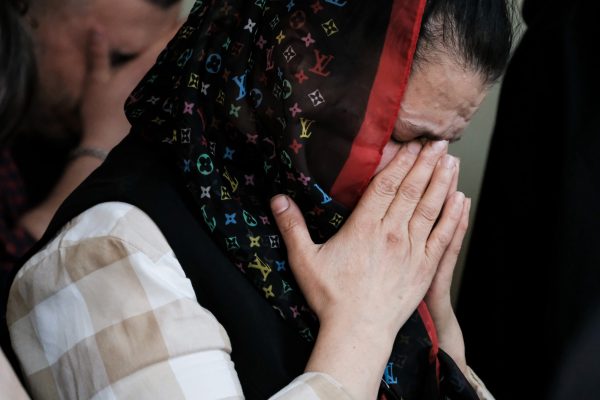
pixel 532 276
pixel 67 69
pixel 177 271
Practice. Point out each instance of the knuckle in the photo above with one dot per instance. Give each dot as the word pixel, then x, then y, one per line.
pixel 386 186
pixel 392 239
pixel 442 240
pixel 439 242
pixel 430 160
pixel 410 192
pixel 455 250
pixel 428 212
pixel 289 226
pixel 402 165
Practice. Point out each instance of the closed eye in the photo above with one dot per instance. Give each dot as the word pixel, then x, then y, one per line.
pixel 424 134
pixel 118 59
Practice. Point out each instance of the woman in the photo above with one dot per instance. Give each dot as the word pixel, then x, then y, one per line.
pixel 251 100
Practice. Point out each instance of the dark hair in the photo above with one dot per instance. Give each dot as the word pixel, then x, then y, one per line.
pixel 164 3
pixel 478 32
pixel 17 68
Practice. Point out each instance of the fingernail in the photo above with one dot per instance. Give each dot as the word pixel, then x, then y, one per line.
pixel 448 161
pixel 439 145
pixel 414 147
pixel 279 204
pixel 460 200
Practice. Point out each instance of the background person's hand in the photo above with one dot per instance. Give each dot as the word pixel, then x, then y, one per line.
pixel 366 281
pixel 107 88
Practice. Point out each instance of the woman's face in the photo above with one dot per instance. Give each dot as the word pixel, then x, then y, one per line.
pixel 440 100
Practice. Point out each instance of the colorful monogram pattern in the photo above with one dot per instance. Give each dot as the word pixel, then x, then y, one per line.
pixel 255 98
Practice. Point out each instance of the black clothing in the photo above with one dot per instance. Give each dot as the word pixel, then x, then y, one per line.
pixel 533 268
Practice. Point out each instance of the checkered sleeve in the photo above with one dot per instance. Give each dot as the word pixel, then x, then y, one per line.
pixel 105 311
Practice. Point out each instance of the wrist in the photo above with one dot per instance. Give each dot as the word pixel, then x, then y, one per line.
pixel 452 342
pixel 36 221
pixel 98 153
pixel 96 141
pixel 353 354
pixel 358 330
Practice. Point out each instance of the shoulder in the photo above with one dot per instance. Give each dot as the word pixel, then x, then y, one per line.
pixel 108 230
pixel 109 287
pixel 115 240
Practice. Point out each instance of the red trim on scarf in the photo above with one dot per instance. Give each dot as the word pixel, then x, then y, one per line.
pixel 432 332
pixel 382 111
pixel 384 101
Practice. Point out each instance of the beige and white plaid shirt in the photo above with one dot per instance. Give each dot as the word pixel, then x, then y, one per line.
pixel 105 311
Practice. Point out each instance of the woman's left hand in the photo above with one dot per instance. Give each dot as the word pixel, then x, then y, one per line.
pixel 438 297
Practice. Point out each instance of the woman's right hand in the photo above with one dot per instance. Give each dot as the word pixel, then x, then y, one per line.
pixel 366 281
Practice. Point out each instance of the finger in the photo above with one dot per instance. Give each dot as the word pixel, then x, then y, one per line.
pixel 443 278
pixel 442 234
pixel 454 184
pixel 376 200
pixel 98 57
pixel 429 208
pixel 292 226
pixel 412 188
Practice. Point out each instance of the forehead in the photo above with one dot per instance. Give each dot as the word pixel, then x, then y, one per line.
pixel 132 25
pixel 442 96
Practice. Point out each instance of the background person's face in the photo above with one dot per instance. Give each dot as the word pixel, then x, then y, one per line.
pixel 440 99
pixel 62 41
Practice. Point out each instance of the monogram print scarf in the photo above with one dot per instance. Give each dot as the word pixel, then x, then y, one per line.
pixel 257 97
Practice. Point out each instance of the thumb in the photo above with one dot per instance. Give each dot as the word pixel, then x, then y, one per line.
pixel 99 68
pixel 290 222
